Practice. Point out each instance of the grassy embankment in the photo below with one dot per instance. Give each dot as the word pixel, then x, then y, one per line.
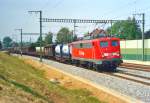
pixel 22 83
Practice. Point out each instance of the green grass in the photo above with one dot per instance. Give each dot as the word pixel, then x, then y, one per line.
pixel 22 83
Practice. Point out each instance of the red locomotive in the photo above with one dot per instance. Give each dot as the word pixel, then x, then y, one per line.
pixel 101 53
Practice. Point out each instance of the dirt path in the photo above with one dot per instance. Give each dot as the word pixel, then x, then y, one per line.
pixel 67 81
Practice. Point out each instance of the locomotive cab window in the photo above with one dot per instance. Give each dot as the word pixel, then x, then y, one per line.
pixel 87 45
pixel 104 44
pixel 76 45
pixel 114 43
pixel 81 45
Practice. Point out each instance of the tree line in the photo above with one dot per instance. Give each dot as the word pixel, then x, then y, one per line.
pixel 64 35
pixel 129 30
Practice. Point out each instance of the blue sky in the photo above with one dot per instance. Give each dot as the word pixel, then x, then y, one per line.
pixel 14 14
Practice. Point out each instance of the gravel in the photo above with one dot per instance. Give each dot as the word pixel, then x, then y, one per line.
pixel 130 88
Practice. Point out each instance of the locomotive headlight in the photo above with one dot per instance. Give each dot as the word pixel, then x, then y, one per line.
pixel 106 54
pixel 115 54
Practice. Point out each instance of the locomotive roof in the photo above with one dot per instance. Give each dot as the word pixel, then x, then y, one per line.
pixel 97 39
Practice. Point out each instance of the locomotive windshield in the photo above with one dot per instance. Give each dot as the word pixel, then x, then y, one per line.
pixel 114 43
pixel 104 44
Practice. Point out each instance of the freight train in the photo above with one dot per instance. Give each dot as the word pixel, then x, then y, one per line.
pixel 99 52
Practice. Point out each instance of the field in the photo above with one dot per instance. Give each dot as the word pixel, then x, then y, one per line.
pixel 23 83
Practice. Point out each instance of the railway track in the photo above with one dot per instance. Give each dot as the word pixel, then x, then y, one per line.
pixel 147 78
pixel 139 67
pixel 131 77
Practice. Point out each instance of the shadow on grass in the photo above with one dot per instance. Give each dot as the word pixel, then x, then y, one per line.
pixel 25 88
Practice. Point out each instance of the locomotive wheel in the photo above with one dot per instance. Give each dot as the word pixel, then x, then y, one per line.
pixel 97 67
pixel 90 66
pixel 100 68
pixel 113 68
pixel 110 68
pixel 77 63
pixel 94 67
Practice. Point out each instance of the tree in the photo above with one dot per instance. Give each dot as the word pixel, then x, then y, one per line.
pixel 75 38
pixel 0 45
pixel 126 29
pixel 39 41
pixel 147 34
pixel 7 42
pixel 64 35
pixel 14 44
pixel 48 38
